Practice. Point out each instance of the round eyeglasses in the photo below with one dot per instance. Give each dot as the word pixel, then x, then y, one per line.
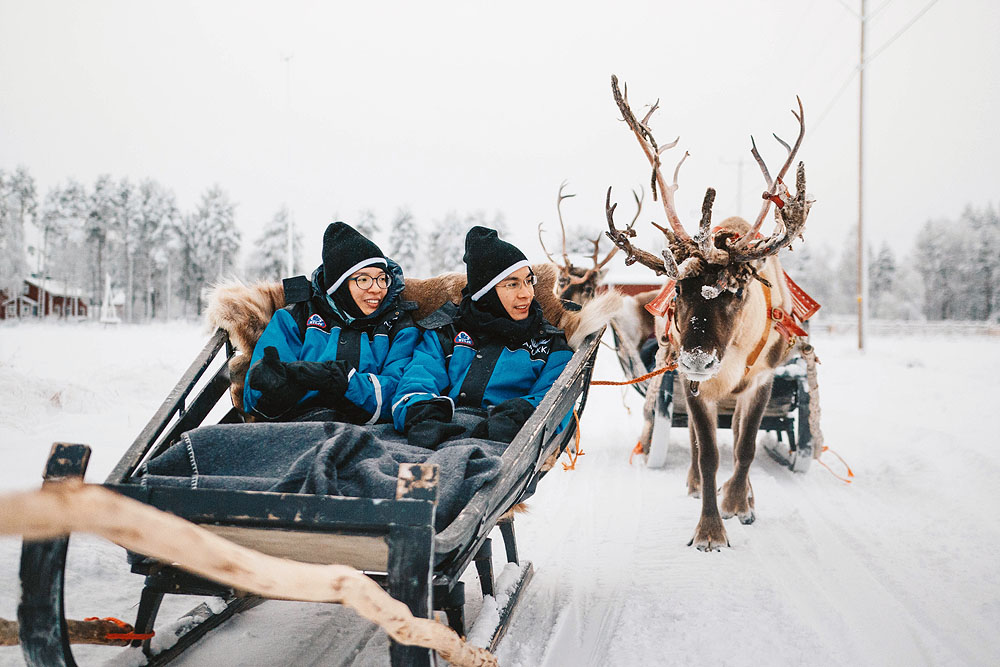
pixel 365 282
pixel 513 284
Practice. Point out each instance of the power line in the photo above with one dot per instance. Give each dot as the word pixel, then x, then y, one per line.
pixel 872 57
pixel 900 32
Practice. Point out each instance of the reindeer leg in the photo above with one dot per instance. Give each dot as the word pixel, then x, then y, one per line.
pixel 737 493
pixel 694 471
pixel 710 534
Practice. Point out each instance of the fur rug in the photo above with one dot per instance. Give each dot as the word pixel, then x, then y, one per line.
pixel 243 311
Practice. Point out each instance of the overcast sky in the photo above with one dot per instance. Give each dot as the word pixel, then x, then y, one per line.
pixel 460 106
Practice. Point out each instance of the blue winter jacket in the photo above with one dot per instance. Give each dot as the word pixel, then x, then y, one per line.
pixel 377 348
pixel 449 362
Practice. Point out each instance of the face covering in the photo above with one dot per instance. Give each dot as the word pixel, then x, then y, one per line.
pixel 487 318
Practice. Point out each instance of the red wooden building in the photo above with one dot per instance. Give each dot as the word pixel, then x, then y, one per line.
pixel 43 298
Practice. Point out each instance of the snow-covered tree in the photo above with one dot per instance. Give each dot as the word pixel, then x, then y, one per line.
pixel 809 266
pixel 404 243
pixel 984 261
pixel 205 246
pixel 18 205
pixel 881 281
pixel 268 259
pixel 99 228
pixel 61 224
pixel 446 245
pixel 157 211
pixel 367 225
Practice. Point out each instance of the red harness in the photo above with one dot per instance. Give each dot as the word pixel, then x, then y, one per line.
pixel 787 324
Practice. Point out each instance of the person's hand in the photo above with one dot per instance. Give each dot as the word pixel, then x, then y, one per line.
pixel 430 433
pixel 278 390
pixel 505 421
pixel 328 377
pixel 438 409
pixel 428 423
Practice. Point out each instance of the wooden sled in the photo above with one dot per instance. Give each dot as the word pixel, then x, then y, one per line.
pixel 393 541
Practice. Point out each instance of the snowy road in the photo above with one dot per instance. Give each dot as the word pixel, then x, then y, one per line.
pixel 896 568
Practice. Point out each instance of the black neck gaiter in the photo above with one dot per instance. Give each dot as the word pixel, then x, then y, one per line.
pixel 487 318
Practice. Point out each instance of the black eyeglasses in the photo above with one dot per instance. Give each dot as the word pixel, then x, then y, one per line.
pixel 364 281
pixel 512 284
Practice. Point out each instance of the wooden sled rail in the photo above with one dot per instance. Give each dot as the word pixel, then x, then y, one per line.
pixel 63 507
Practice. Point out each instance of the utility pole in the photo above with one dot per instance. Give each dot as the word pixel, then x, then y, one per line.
pixel 289 253
pixel 861 182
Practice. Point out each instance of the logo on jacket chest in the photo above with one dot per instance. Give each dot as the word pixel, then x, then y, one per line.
pixel 538 348
pixel 316 321
pixel 464 339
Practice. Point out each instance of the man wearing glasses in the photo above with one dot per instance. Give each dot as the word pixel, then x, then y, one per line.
pixel 493 355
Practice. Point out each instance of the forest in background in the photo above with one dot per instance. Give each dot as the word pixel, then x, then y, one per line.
pixel 161 258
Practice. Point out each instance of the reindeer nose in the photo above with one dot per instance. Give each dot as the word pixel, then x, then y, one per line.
pixel 698 362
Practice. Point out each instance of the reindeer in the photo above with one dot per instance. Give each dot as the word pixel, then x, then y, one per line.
pixel 575 283
pixel 730 305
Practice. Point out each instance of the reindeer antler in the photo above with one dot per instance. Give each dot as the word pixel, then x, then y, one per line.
pixel 666 266
pixel 774 187
pixel 652 151
pixel 790 219
pixel 544 249
pixel 639 198
pixel 561 225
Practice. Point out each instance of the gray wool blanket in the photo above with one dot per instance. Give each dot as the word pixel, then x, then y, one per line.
pixel 327 458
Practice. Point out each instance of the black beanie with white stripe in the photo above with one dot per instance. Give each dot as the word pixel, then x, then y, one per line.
pixel 345 250
pixel 488 260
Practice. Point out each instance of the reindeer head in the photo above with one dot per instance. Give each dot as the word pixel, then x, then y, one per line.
pixel 713 270
pixel 576 283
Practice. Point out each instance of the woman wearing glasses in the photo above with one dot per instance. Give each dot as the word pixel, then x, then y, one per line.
pixel 494 354
pixel 337 354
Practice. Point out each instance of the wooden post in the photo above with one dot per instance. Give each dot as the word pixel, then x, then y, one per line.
pixel 43 631
pixel 411 558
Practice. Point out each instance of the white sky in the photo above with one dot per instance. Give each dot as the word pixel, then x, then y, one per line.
pixel 471 105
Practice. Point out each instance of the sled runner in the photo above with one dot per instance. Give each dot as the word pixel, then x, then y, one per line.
pixel 788 437
pixel 393 541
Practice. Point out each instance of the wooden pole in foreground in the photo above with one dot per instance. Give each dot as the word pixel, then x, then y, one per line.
pixel 80 632
pixel 60 508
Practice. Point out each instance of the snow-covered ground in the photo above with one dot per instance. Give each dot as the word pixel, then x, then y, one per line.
pixel 897 568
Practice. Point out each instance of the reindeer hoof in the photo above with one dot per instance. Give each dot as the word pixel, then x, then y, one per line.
pixel 747 519
pixel 710 535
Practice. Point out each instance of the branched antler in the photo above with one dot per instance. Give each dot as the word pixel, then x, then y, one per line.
pixel 653 151
pixel 791 218
pixel 665 266
pixel 562 227
pixel 774 187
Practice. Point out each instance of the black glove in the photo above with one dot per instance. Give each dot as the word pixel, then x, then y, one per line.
pixel 505 421
pixel 430 433
pixel 428 423
pixel 279 391
pixel 438 409
pixel 329 377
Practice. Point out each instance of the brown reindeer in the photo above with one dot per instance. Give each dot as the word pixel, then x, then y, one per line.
pixel 575 283
pixel 730 316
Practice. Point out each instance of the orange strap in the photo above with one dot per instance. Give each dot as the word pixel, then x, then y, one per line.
pixel 752 359
pixel 124 636
pixel 577 452
pixel 635 450
pixel 641 378
pixel 850 473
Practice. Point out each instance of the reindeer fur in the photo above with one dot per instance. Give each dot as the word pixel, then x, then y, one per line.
pixel 243 311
